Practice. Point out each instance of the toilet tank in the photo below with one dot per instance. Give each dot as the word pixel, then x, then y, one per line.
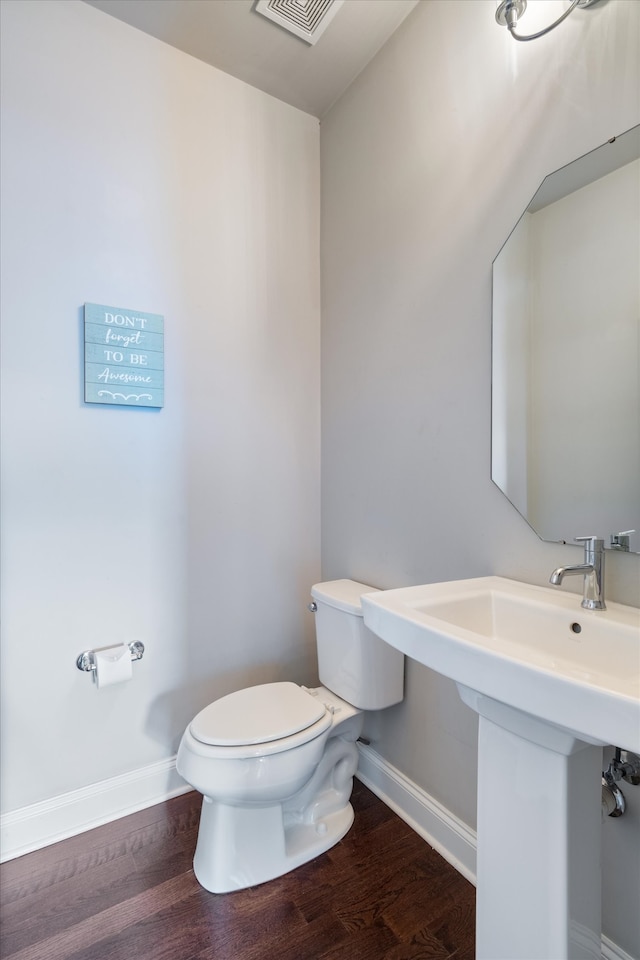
pixel 352 661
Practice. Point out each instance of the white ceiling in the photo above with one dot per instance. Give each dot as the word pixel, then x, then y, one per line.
pixel 230 35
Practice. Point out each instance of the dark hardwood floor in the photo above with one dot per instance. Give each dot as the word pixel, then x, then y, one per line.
pixel 126 891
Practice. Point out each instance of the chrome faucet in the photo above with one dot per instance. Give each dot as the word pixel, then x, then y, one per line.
pixel 593 570
pixel 620 541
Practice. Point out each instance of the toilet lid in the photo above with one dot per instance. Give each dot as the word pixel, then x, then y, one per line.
pixel 259 714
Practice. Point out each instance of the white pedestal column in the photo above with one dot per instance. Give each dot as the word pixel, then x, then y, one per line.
pixel 539 835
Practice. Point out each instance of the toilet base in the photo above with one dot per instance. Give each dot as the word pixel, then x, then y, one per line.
pixel 240 847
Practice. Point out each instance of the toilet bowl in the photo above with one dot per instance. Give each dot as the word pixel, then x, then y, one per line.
pixel 275 762
pixel 270 806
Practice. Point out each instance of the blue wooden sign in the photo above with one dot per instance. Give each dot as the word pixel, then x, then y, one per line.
pixel 123 356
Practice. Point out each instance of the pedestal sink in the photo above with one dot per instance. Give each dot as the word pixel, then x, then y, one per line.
pixel 552 683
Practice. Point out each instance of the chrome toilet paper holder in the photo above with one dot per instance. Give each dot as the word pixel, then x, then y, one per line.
pixel 87 660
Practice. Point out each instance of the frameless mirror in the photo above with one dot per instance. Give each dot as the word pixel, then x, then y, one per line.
pixel 566 352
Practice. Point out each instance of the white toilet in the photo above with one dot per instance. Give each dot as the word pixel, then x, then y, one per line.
pixel 275 762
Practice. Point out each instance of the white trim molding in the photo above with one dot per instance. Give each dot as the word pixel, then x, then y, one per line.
pixel 451 837
pixel 611 951
pixel 69 814
pixel 41 824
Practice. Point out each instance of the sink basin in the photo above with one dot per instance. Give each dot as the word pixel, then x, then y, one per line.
pixel 551 683
pixel 532 648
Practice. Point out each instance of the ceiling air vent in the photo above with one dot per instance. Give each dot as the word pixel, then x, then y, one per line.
pixel 307 19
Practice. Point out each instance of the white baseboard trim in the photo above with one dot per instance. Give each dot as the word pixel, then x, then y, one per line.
pixel 446 833
pixel 611 951
pixel 69 814
pixel 41 824
pixel 451 837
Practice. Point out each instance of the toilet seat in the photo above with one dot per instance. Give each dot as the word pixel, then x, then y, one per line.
pixel 259 717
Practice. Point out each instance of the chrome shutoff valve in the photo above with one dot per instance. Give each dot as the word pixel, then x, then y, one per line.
pixel 624 766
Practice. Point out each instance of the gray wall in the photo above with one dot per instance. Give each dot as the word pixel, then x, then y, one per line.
pixel 170 187
pixel 428 160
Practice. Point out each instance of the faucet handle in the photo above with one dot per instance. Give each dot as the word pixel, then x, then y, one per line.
pixel 620 541
pixel 593 546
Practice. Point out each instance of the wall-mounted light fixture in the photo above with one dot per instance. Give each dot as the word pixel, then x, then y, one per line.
pixel 510 11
